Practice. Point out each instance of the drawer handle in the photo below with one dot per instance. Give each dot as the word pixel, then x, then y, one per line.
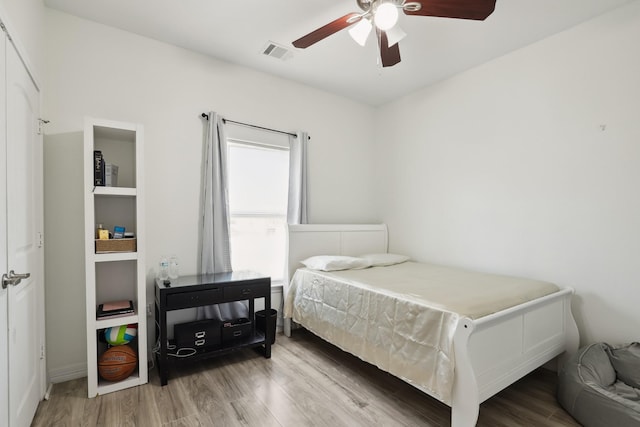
pixel 199 342
pixel 246 291
pixel 200 334
pixel 237 333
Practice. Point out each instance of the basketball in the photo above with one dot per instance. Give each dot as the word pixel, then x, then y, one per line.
pixel 117 363
pixel 119 335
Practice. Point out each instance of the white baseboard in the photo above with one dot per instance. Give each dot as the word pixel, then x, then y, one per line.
pixel 67 373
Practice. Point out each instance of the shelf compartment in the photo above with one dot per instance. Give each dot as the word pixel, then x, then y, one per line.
pixel 116 281
pixel 118 147
pixel 115 211
pixel 105 386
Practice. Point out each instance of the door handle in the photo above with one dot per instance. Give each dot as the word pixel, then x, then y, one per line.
pixel 13 278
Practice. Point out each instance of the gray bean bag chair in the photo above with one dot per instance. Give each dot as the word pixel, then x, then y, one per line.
pixel 600 385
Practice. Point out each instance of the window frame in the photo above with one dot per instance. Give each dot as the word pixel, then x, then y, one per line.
pixel 269 145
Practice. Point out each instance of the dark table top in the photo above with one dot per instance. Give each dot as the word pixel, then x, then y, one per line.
pixel 211 279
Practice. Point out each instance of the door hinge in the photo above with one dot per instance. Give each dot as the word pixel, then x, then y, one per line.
pixel 40 123
pixel 40 239
pixel 41 351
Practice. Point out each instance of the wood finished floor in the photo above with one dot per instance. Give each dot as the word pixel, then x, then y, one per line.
pixel 307 382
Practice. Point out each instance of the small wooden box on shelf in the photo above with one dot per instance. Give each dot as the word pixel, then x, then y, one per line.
pixel 115 245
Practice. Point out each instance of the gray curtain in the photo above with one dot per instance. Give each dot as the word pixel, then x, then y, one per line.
pixel 215 253
pixel 297 203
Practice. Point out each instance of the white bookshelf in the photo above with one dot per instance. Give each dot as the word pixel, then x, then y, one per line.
pixel 115 275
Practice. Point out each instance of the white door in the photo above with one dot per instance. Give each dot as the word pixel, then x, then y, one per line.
pixel 24 246
pixel 4 354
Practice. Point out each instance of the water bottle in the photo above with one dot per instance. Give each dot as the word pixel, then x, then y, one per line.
pixel 174 267
pixel 163 273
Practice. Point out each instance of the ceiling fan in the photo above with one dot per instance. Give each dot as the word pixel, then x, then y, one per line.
pixel 384 14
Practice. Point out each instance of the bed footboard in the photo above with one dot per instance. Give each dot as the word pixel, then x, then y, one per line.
pixel 497 350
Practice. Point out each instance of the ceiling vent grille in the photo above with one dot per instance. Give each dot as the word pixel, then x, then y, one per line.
pixel 277 51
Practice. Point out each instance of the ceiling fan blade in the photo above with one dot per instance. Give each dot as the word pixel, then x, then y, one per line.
pixel 462 9
pixel 390 56
pixel 327 30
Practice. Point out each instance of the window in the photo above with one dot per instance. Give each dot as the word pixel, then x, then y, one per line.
pixel 258 172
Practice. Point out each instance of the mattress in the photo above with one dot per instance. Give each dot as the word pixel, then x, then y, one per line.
pixel 403 318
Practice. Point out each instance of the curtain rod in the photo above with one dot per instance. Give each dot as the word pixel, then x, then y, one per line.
pixel 206 116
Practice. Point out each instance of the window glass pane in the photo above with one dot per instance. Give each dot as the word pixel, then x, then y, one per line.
pixel 258 244
pixel 258 191
pixel 258 179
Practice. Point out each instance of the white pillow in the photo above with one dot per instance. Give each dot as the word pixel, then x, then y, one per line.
pixel 335 262
pixel 383 260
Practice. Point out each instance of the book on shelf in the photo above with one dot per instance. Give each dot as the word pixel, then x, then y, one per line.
pixel 113 308
pixel 98 169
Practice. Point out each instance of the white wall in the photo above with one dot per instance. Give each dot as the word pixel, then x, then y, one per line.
pixel 25 21
pixel 529 165
pixel 64 256
pixel 95 70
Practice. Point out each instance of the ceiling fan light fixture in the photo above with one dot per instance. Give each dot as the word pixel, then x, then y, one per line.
pixel 394 35
pixel 360 31
pixel 385 15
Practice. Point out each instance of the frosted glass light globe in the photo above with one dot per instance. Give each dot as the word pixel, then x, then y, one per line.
pixel 360 31
pixel 386 16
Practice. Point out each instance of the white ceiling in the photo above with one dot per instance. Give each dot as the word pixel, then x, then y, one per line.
pixel 435 48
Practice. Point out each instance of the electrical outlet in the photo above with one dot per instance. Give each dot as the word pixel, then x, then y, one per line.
pixel 149 312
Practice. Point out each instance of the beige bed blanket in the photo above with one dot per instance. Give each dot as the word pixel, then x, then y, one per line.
pixel 402 318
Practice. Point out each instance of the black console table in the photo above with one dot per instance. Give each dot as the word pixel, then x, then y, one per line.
pixel 208 289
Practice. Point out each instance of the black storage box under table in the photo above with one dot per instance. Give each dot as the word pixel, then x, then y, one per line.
pixel 198 334
pixel 235 329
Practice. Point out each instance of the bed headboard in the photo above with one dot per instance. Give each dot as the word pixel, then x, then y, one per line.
pixel 305 240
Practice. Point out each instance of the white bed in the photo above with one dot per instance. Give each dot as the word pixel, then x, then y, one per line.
pixel 490 352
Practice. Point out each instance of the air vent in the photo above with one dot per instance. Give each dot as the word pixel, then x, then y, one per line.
pixel 277 51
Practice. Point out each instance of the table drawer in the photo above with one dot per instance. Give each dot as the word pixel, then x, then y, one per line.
pixel 193 299
pixel 247 291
